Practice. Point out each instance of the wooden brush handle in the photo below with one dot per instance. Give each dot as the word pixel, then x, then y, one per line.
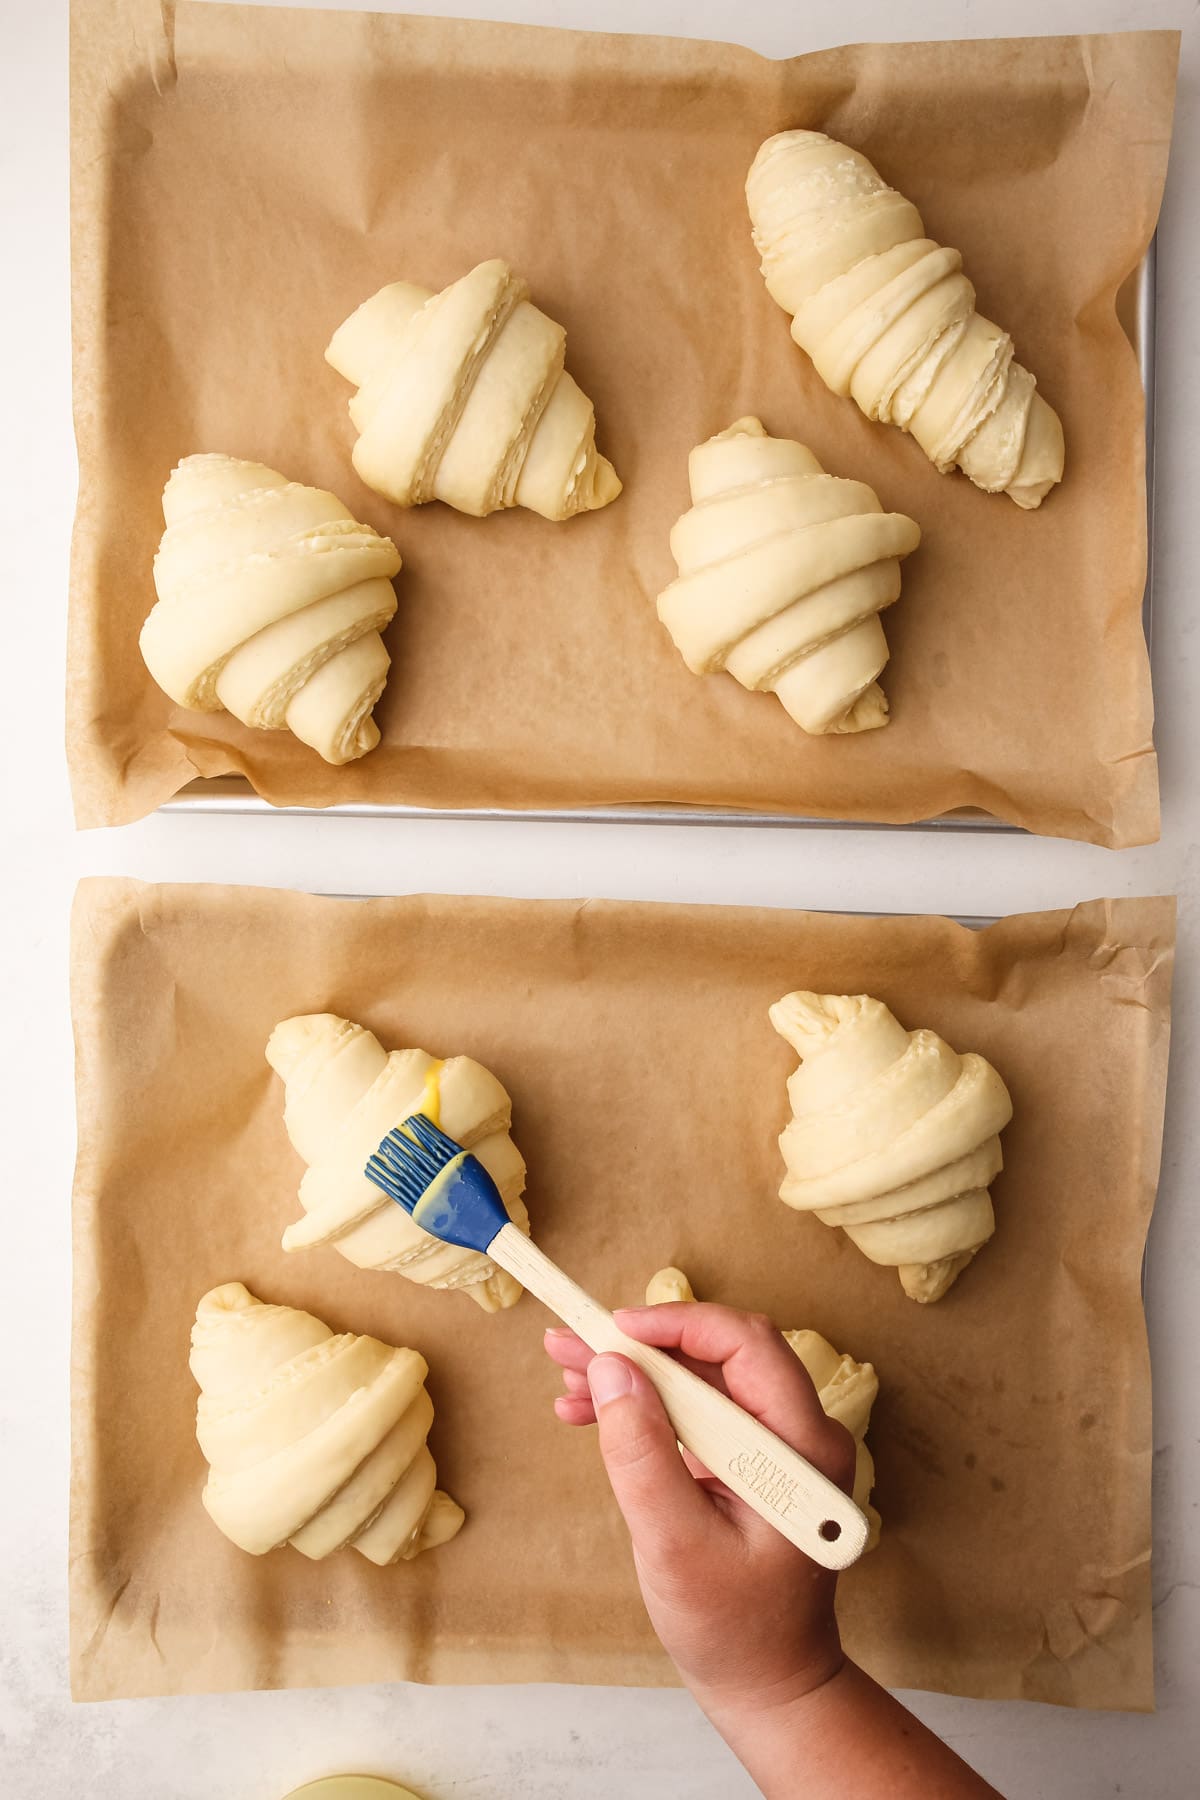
pixel 809 1509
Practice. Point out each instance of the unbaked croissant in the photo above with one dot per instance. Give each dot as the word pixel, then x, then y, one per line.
pixel 271 598
pixel 888 316
pixel 344 1093
pixel 462 397
pixel 783 572
pixel 845 1388
pixel 893 1136
pixel 311 1439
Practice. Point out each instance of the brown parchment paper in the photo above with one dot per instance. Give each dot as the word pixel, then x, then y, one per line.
pixel 1012 1432
pixel 242 178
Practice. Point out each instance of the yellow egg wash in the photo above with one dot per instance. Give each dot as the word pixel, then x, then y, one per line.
pixel 431 1093
pixel 430 1102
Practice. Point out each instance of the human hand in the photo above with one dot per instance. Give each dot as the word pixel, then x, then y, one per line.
pixel 745 1616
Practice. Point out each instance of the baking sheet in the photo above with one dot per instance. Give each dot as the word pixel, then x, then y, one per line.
pixel 532 673
pixel 1012 1433
pixel 233 794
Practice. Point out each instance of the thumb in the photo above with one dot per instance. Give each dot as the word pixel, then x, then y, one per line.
pixel 662 1506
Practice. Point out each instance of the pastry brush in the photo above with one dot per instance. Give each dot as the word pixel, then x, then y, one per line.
pixel 451 1195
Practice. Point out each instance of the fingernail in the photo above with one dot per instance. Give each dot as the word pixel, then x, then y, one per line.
pixel 557 1331
pixel 609 1378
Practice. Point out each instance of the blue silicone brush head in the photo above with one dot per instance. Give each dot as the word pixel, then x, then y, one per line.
pixel 448 1192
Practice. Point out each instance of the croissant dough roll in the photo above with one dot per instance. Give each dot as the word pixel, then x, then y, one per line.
pixel 668 1285
pixel 888 316
pixel 783 571
pixel 344 1093
pixel 313 1439
pixel 463 397
pixel 893 1136
pixel 271 598
pixel 845 1388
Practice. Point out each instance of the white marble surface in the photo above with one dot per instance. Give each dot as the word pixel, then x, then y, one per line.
pixel 490 1744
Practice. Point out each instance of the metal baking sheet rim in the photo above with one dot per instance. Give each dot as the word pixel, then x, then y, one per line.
pixel 233 794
